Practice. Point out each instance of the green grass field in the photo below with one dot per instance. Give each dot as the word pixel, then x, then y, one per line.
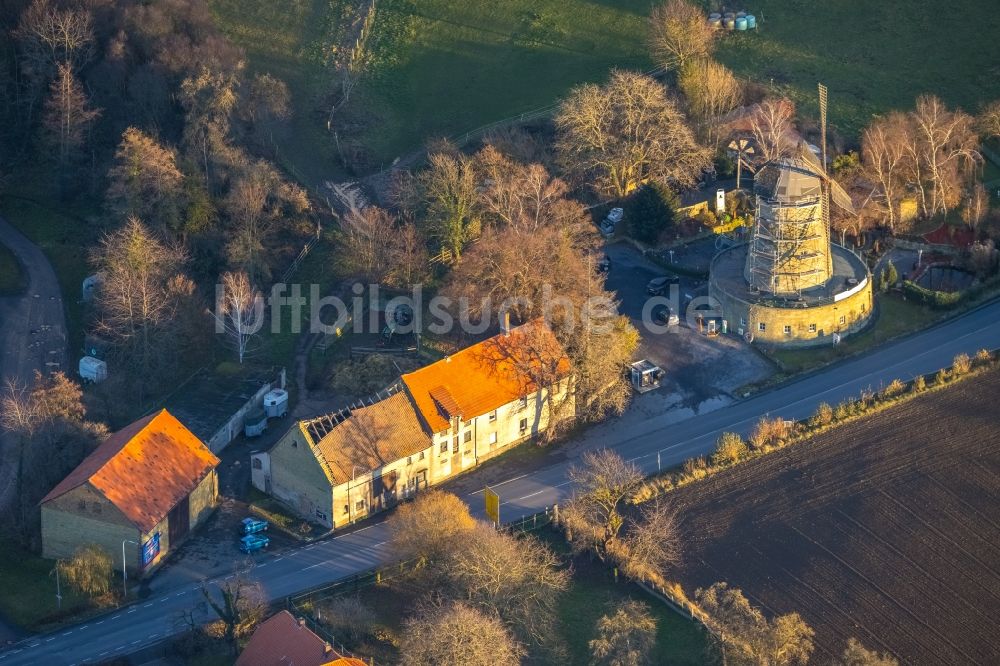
pixel 873 56
pixel 445 67
pixel 12 278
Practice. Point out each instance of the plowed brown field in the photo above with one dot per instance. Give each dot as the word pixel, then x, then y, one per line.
pixel 887 529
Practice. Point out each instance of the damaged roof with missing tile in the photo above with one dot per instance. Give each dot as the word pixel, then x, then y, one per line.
pixel 487 375
pixel 367 437
pixel 144 469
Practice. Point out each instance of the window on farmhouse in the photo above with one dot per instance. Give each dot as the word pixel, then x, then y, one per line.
pixel 258 464
pixel 444 446
pixel 493 438
pixel 321 515
pixel 421 455
pixel 788 330
pixel 347 509
pixel 812 328
pixel 409 460
pixel 524 424
pixel 761 326
pixel 524 402
pixel 468 435
pixel 843 319
pixel 454 446
pixel 493 416
pixel 360 506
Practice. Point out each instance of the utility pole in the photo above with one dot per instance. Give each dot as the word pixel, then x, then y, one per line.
pixel 124 573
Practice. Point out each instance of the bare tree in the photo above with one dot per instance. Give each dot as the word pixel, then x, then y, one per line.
pixel 988 121
pixel 407 256
pixel 456 633
pixel 521 195
pixel 771 124
pixel 133 305
pixel 651 544
pixel 517 579
pixel 239 311
pixel 419 531
pixel 855 654
pixel 625 133
pixel 747 636
pixel 366 237
pixel 241 608
pixel 145 181
pixel 884 149
pixel 448 197
pixel 679 33
pixel 258 200
pixel 625 637
pixel 945 150
pixel 67 114
pixel 88 571
pixel 50 36
pixel 711 91
pixel 977 205
pixel 208 99
pixel 602 486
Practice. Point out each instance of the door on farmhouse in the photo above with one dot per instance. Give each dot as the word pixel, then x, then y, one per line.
pixel 384 489
pixel 178 521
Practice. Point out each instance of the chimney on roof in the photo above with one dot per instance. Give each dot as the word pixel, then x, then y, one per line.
pixel 302 622
pixel 327 648
pixel 505 322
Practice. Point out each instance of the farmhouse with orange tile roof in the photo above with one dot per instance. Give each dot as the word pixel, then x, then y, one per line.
pixel 147 485
pixel 434 423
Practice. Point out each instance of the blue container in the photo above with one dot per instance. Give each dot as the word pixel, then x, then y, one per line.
pixel 751 21
pixel 730 24
pixel 741 23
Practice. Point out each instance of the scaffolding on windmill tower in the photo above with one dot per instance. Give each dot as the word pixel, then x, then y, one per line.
pixel 790 246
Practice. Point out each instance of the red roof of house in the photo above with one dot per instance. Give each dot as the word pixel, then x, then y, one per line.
pixel 486 375
pixel 284 641
pixel 144 469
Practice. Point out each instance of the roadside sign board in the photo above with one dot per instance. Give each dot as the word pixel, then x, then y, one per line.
pixel 150 549
pixel 492 505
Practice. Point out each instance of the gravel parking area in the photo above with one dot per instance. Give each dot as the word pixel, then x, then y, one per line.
pixel 700 370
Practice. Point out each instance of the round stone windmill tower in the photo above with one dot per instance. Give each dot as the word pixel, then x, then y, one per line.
pixel 790 285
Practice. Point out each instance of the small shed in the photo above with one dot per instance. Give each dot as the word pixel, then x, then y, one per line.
pixel 93 370
pixel 646 376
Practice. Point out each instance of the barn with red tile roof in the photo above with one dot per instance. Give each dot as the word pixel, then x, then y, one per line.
pixel 147 485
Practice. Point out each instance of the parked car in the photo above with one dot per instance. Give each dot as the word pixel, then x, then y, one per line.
pixel 615 215
pixel 253 525
pixel 666 316
pixel 607 228
pixel 658 286
pixel 252 542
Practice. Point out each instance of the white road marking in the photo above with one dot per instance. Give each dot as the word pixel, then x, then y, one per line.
pixel 103 653
pixel 67 633
pixel 152 635
pixel 136 642
pixel 101 622
pixel 147 605
pixel 49 640
pixel 132 610
pixel 34 645
pixel 116 616
pixel 313 566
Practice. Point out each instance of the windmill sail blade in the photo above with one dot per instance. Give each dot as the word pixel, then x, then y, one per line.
pixel 840 197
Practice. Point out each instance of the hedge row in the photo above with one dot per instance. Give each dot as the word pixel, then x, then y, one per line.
pixel 771 435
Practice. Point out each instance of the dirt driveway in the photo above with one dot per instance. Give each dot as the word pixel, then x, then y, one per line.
pixel 699 368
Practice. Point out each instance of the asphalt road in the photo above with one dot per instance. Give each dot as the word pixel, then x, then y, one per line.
pixel 154 618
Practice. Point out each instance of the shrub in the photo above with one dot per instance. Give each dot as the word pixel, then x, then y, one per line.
pixel 919 384
pixel 88 571
pixel 841 412
pixel 349 619
pixel 729 450
pixel 696 467
pixel 769 432
pixel 894 388
pixel 961 364
pixel 889 276
pixel 983 356
pixel 823 415
pixel 941 377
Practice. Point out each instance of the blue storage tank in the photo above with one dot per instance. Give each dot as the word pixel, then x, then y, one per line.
pixel 741 23
pixel 751 22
